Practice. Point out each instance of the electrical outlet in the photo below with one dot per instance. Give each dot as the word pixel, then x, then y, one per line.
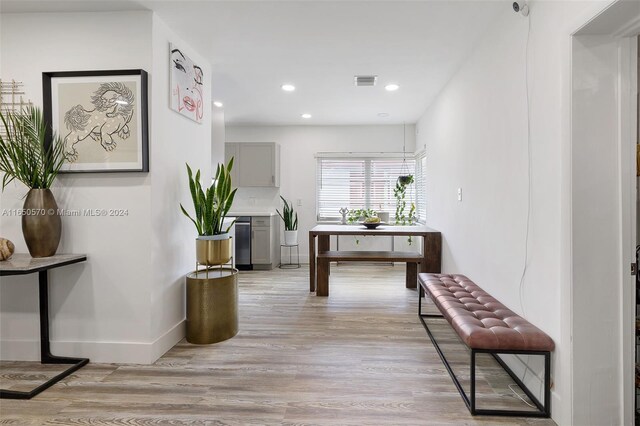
pixel 299 202
pixel 459 194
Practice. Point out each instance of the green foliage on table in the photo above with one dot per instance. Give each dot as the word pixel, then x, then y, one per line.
pixel 355 215
pixel 211 206
pixel 288 215
pixel 24 155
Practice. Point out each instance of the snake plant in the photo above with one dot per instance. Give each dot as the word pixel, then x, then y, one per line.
pixel 211 206
pixel 289 216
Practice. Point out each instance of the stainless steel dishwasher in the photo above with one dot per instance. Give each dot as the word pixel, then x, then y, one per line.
pixel 243 243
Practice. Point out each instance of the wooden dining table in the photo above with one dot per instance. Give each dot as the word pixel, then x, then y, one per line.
pixel 431 243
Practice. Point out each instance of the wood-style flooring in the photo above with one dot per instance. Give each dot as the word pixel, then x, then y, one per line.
pixel 358 357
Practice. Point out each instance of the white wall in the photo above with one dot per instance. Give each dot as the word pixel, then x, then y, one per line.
pixel 475 134
pixel 299 144
pixel 218 133
pixel 177 140
pixel 114 307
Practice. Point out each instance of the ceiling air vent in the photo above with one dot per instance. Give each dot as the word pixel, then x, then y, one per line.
pixel 365 80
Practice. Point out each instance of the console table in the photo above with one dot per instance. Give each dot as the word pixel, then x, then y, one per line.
pixel 429 260
pixel 22 264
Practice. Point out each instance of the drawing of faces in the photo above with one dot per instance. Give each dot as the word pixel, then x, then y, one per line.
pixel 187 85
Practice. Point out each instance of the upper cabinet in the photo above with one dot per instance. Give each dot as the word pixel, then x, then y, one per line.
pixel 255 163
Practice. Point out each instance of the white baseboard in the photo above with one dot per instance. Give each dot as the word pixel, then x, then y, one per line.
pixel 100 352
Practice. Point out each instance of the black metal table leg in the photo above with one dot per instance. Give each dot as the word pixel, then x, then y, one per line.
pixel 46 357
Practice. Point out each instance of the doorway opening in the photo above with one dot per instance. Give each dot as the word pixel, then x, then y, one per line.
pixel 603 210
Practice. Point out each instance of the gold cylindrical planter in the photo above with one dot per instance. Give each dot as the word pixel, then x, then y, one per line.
pixel 212 252
pixel 212 305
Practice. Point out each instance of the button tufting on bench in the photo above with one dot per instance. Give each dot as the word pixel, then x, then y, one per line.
pixel 479 319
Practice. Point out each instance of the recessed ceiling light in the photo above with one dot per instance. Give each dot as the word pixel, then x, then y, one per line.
pixel 218 104
pixel 306 115
pixel 391 87
pixel 383 114
pixel 288 87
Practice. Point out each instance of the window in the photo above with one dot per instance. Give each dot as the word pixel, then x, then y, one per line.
pixel 421 184
pixel 359 182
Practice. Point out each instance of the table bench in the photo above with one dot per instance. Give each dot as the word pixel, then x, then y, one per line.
pixel 325 258
pixel 485 326
pixel 429 240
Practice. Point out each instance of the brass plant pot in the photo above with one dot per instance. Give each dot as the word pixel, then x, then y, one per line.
pixel 210 251
pixel 212 305
pixel 41 223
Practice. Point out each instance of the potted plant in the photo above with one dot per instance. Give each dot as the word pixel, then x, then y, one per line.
pixel 356 215
pixel 213 244
pixel 290 218
pixel 26 157
pixel 402 216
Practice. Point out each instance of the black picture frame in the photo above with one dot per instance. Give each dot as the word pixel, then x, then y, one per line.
pixel 140 111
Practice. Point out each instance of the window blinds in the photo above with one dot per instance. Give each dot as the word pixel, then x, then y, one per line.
pixel 360 183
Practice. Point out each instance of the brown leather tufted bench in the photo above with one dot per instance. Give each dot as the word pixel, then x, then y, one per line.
pixel 486 326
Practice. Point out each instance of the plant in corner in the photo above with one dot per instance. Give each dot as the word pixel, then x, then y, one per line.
pixel 290 219
pixel 26 156
pixel 213 244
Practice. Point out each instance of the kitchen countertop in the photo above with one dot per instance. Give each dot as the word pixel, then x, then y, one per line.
pixel 250 213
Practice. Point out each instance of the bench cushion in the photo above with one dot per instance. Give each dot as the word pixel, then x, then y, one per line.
pixel 480 320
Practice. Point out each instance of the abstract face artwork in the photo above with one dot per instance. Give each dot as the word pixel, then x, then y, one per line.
pixel 187 89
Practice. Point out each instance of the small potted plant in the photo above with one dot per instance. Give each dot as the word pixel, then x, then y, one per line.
pixel 213 244
pixel 26 156
pixel 290 219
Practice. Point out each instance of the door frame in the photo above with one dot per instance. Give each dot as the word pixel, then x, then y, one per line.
pixel 624 32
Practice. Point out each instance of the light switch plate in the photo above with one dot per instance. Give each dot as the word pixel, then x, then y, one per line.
pixel 459 194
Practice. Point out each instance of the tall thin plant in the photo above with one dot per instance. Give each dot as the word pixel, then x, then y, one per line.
pixel 211 205
pixel 288 215
pixel 24 153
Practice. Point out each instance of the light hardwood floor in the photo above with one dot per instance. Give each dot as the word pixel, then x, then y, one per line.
pixel 358 357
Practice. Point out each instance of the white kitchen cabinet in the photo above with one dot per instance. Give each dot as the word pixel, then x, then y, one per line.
pixel 256 164
pixel 265 245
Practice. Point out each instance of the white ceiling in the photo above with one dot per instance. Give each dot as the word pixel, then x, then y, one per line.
pixel 256 46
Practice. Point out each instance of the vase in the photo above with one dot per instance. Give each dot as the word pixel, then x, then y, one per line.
pixel 291 238
pixel 41 223
pixel 213 249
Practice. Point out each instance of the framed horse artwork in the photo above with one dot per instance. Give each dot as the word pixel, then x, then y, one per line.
pixel 101 118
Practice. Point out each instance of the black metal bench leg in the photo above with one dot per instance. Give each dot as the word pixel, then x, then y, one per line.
pixel 472 381
pixel 547 384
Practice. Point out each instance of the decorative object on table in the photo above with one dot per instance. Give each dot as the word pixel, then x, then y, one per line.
pixel 213 244
pixel 384 216
pixel 212 306
pixel 101 117
pixel 6 249
pixel 290 219
pixel 357 215
pixel 343 211
pixel 11 99
pixel 372 222
pixel 186 85
pixel 25 156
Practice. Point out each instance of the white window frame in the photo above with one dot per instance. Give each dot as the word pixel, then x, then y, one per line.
pixel 364 156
